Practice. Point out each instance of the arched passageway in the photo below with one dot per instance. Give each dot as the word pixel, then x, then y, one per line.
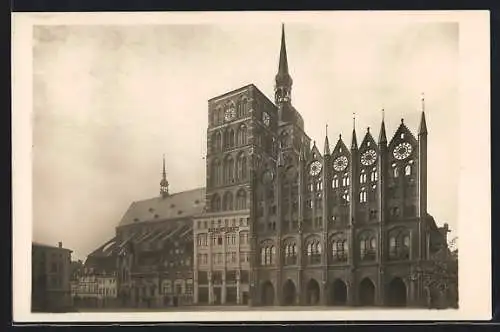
pixel 312 292
pixel 267 294
pixel 396 293
pixel 366 293
pixel 338 293
pixel 289 293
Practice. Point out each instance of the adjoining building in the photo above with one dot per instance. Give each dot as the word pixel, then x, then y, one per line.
pixel 154 249
pixel 50 278
pixel 94 284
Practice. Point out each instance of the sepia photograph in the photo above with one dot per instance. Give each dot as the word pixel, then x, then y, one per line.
pixel 274 166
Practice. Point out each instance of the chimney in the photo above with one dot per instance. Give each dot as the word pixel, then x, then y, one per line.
pixel 60 244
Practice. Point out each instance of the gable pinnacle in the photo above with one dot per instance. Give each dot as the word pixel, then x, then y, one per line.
pixel 327 143
pixel 422 130
pixel 354 143
pixel 382 136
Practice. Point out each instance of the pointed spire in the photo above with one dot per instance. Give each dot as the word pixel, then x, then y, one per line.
pixel 382 138
pixel 327 143
pixel 283 65
pixel 422 130
pixel 283 78
pixel 164 171
pixel 164 182
pixel 354 144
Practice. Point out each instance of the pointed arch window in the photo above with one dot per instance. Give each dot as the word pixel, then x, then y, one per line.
pixel 374 174
pixel 362 177
pixel 241 200
pixel 239 108
pixel 368 246
pixel 335 182
pixel 408 168
pixel 268 255
pixel 395 171
pixel 218 141
pixel 228 170
pixel 339 249
pixel 345 180
pixel 273 255
pixel 216 172
pixel 242 135
pixel 216 203
pixel 290 253
pixel 345 197
pixel 399 245
pixel 313 251
pixel 228 201
pixel 362 196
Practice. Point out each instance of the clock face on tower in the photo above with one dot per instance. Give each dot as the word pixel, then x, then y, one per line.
pixel 230 114
pixel 369 157
pixel 402 151
pixel 315 168
pixel 340 163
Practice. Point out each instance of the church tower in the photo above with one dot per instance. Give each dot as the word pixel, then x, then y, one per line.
pixel 164 182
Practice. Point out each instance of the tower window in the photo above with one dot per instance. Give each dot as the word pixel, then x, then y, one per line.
pixel 396 172
pixel 345 180
pixel 362 196
pixel 402 135
pixel 362 177
pixel 408 170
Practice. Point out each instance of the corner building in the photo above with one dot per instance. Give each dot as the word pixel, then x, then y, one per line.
pixel 287 224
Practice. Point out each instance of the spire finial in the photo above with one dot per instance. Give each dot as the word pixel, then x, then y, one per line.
pixel 382 138
pixel 164 171
pixel 164 182
pixel 422 100
pixel 354 120
pixel 327 143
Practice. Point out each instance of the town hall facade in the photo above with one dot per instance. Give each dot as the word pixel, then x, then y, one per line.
pixel 288 224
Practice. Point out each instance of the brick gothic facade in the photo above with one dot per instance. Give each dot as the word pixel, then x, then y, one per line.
pixel 347 226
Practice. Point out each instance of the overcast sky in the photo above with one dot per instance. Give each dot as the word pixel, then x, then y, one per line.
pixel 110 100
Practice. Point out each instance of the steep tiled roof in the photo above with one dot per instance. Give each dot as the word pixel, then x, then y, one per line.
pixel 177 205
pixel 107 249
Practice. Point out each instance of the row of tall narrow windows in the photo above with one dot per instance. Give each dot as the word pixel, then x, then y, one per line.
pixel 223 140
pixel 228 203
pixel 399 249
pixel 229 171
pixel 217 240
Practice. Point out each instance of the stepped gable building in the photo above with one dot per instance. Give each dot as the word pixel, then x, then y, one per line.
pixel 287 224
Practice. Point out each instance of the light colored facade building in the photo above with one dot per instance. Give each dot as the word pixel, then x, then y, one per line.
pixel 222 265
